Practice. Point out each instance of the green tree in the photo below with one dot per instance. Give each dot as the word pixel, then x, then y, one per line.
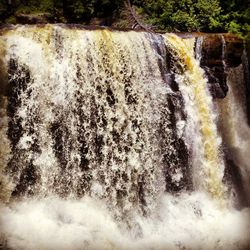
pixel 236 16
pixel 183 15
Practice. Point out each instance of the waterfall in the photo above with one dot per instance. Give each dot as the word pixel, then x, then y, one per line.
pixel 111 140
pixel 236 132
pixel 89 120
pixel 199 103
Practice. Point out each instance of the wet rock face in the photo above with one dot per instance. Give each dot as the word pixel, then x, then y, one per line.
pixel 220 52
pixel 212 48
pixel 233 50
pixel 217 83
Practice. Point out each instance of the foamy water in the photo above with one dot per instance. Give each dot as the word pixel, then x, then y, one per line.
pixel 188 221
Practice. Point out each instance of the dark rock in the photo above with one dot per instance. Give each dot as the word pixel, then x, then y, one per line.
pixel 212 61
pixel 234 47
pixel 218 53
pixel 217 81
pixel 212 48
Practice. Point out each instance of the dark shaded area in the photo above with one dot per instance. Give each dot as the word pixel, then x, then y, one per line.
pixel 20 166
pixel 220 51
pixel 16 87
pixel 233 178
pixel 27 180
pixel 177 161
pixel 95 12
pixel 213 62
pixel 246 65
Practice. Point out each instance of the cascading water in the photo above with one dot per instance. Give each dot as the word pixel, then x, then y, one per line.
pixel 236 132
pixel 193 84
pixel 109 141
pixel 90 120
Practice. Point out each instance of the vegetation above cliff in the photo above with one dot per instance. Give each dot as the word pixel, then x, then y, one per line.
pixel 161 15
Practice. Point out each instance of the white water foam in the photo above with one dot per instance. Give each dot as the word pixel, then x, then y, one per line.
pixel 189 221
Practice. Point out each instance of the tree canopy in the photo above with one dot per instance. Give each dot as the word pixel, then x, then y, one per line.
pixel 163 15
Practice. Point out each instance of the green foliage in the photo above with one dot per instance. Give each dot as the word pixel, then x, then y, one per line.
pixel 32 6
pixel 81 11
pixel 11 20
pixel 78 11
pixel 236 16
pixel 3 7
pixel 164 15
pixel 182 15
pixel 197 15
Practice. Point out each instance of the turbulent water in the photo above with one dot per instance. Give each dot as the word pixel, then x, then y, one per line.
pixel 110 140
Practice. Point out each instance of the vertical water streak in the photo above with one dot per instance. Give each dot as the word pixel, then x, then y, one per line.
pixel 235 131
pixel 5 149
pixel 194 86
pixel 198 48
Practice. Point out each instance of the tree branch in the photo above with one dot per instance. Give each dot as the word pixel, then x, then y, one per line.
pixel 135 16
